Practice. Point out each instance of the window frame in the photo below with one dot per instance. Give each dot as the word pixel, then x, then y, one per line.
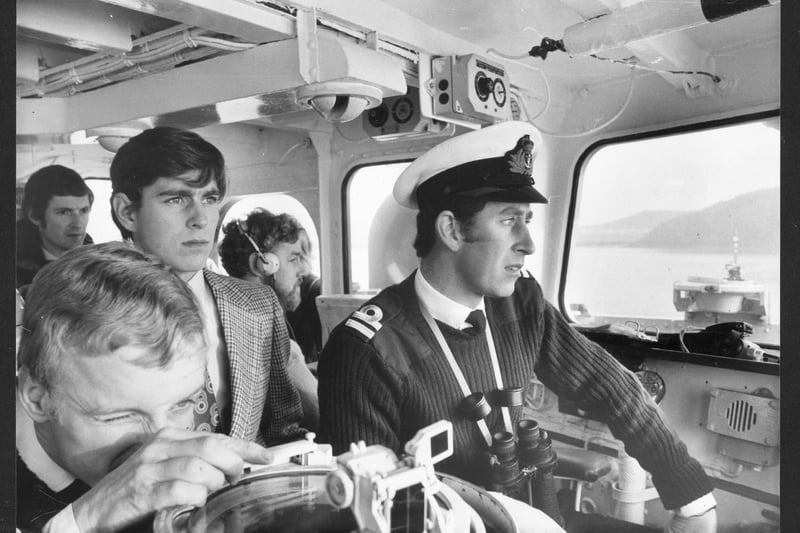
pixel 345 190
pixel 105 204
pixel 580 168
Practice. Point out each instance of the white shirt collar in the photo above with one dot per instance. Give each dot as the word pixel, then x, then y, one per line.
pixel 440 306
pixel 48 256
pixel 198 285
pixel 34 456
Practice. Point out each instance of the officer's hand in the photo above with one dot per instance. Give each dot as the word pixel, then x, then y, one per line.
pixel 704 523
pixel 175 467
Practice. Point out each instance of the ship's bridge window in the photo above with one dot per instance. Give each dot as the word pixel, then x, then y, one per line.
pixel 679 231
pixel 101 226
pixel 379 231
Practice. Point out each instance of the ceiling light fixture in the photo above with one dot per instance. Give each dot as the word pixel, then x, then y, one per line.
pixel 339 101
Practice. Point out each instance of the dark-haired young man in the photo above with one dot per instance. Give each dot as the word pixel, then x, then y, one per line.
pixel 167 185
pixel 413 353
pixel 56 205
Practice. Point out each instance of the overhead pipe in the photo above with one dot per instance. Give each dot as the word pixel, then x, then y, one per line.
pixel 641 21
pixel 648 19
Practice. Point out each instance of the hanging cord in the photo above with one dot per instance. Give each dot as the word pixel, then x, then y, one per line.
pixel 551 45
pixel 305 143
pixel 589 131
pixel 631 62
pixel 518 92
pixel 353 140
pixel 548 45
pixel 557 45
pixel 688 329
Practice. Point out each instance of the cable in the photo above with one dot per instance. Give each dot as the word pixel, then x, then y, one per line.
pixel 366 137
pixel 305 143
pixel 552 45
pixel 223 44
pixel 518 91
pixel 495 52
pixel 681 333
pixel 592 130
pixel 629 62
pixel 147 54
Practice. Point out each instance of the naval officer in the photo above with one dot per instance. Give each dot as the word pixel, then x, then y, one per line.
pixel 470 321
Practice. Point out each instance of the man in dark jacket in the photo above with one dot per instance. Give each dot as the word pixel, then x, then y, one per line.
pixel 56 206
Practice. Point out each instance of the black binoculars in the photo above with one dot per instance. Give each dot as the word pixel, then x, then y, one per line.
pixel 519 463
pixel 522 467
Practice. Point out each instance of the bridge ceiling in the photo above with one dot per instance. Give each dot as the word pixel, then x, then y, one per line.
pixel 80 47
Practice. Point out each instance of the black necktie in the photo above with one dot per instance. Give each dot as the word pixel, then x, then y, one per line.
pixel 477 321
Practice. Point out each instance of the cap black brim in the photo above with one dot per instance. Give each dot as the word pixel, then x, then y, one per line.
pixel 526 195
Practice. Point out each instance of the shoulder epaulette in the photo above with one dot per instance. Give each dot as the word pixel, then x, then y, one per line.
pixel 366 321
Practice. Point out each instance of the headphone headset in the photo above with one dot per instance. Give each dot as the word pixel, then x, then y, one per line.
pixel 269 262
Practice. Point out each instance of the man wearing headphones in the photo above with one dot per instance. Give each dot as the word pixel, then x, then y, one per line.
pixel 268 249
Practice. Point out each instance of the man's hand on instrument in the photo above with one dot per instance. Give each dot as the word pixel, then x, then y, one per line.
pixel 174 467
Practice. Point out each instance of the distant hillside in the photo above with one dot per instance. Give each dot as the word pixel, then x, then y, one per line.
pixel 755 216
pixel 625 231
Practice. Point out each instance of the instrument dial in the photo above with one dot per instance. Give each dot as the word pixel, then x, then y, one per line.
pixel 653 384
pixel 402 110
pixel 483 86
pixel 499 92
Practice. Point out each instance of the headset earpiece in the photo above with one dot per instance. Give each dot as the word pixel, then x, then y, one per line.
pixel 268 263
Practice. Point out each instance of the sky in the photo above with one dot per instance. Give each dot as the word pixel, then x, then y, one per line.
pixel 681 172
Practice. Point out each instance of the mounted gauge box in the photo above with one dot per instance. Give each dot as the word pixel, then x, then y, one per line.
pixel 469 88
pixel 399 117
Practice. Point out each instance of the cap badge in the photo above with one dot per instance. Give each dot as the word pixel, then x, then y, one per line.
pixel 520 158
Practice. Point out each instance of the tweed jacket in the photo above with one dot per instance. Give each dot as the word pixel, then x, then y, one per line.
pixel 265 407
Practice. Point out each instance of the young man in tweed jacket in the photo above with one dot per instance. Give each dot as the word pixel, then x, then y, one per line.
pixel 167 185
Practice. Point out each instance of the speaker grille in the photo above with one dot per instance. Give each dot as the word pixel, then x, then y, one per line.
pixel 741 415
pixel 744 416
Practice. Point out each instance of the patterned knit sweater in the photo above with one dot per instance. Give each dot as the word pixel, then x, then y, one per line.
pixel 383 382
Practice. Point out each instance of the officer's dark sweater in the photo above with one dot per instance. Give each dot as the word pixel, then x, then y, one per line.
pixel 382 387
